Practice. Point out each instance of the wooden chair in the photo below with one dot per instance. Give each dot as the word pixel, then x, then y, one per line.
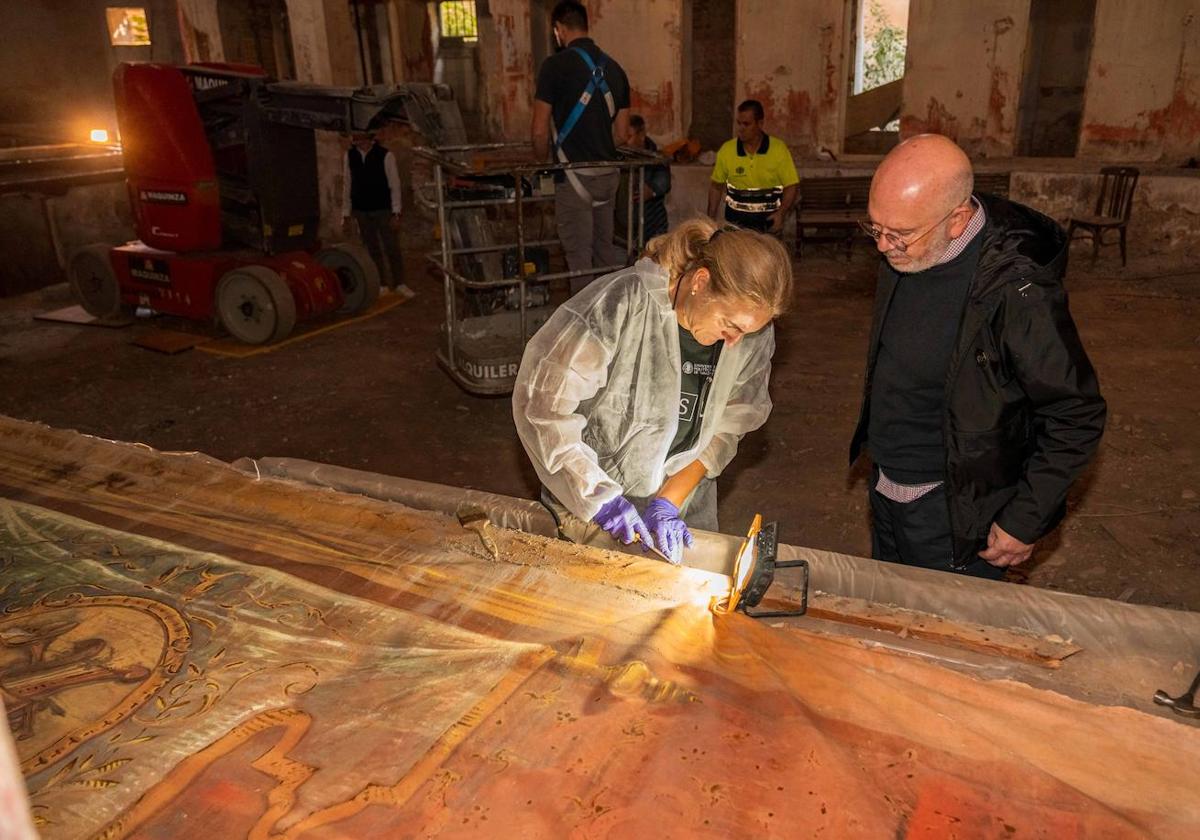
pixel 1113 206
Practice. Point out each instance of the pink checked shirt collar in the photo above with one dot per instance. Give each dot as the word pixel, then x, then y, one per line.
pixel 957 246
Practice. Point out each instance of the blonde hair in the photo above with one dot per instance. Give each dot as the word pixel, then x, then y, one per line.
pixel 741 263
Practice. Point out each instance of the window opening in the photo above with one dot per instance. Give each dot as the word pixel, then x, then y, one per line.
pixel 882 43
pixel 457 19
pixel 872 124
pixel 127 26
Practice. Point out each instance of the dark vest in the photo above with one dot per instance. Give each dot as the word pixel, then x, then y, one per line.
pixel 368 180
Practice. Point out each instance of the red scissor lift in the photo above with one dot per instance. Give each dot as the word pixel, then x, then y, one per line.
pixel 221 168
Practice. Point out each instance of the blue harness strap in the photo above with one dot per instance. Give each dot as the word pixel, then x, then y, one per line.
pixel 597 82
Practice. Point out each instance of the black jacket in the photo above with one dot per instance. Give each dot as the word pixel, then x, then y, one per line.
pixel 1024 413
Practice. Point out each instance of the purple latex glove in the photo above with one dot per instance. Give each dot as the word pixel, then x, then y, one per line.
pixel 669 531
pixel 620 519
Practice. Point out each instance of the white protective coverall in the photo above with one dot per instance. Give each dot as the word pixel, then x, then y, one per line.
pixel 596 398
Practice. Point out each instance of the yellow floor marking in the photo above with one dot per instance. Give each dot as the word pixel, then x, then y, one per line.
pixel 235 349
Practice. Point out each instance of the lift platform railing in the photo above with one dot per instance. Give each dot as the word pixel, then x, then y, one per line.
pixel 472 161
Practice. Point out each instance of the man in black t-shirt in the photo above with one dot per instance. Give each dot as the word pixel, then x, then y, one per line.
pixel 582 102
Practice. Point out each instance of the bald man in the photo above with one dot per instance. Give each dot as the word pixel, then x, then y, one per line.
pixel 980 407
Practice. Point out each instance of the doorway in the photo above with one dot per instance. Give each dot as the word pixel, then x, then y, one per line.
pixel 713 59
pixel 1056 67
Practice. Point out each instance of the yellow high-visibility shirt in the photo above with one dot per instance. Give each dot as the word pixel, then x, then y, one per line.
pixel 755 183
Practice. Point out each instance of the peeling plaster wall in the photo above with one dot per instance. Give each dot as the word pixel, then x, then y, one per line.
pixel 1143 91
pixel 790 58
pixel 506 73
pixel 963 72
pixel 646 38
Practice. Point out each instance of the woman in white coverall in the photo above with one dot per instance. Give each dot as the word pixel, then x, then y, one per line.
pixel 632 398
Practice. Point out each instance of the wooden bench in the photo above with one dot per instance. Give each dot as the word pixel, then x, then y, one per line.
pixel 830 204
pixel 836 205
pixel 993 183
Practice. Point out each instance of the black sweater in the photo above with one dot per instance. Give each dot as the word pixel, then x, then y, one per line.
pixel 908 392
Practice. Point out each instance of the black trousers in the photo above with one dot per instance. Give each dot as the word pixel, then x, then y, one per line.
pixel 382 243
pixel 760 222
pixel 918 534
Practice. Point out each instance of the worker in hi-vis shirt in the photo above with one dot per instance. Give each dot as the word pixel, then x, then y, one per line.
pixel 754 174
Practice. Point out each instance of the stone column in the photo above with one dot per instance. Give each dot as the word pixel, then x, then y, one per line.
pixel 324 43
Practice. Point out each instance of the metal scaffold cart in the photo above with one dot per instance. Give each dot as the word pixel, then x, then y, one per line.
pixel 497 278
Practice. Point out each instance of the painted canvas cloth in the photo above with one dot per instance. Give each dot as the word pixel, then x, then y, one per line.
pixel 186 651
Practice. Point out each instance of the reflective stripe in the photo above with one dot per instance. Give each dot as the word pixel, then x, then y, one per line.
pixel 765 200
pixel 763 194
pixel 752 206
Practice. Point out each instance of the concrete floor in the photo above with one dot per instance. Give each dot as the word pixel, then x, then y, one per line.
pixel 371 396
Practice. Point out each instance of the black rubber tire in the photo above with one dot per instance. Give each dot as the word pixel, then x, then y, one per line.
pixel 255 305
pixel 356 272
pixel 94 283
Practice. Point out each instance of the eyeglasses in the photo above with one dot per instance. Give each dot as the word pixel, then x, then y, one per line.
pixel 875 231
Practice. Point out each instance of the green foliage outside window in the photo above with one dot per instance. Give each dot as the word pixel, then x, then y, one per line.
pixel 884 46
pixel 457 19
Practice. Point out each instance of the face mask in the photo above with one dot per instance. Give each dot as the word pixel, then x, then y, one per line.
pixel 558 44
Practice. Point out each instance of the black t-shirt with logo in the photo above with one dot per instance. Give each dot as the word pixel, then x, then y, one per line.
pixel 697 367
pixel 563 77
